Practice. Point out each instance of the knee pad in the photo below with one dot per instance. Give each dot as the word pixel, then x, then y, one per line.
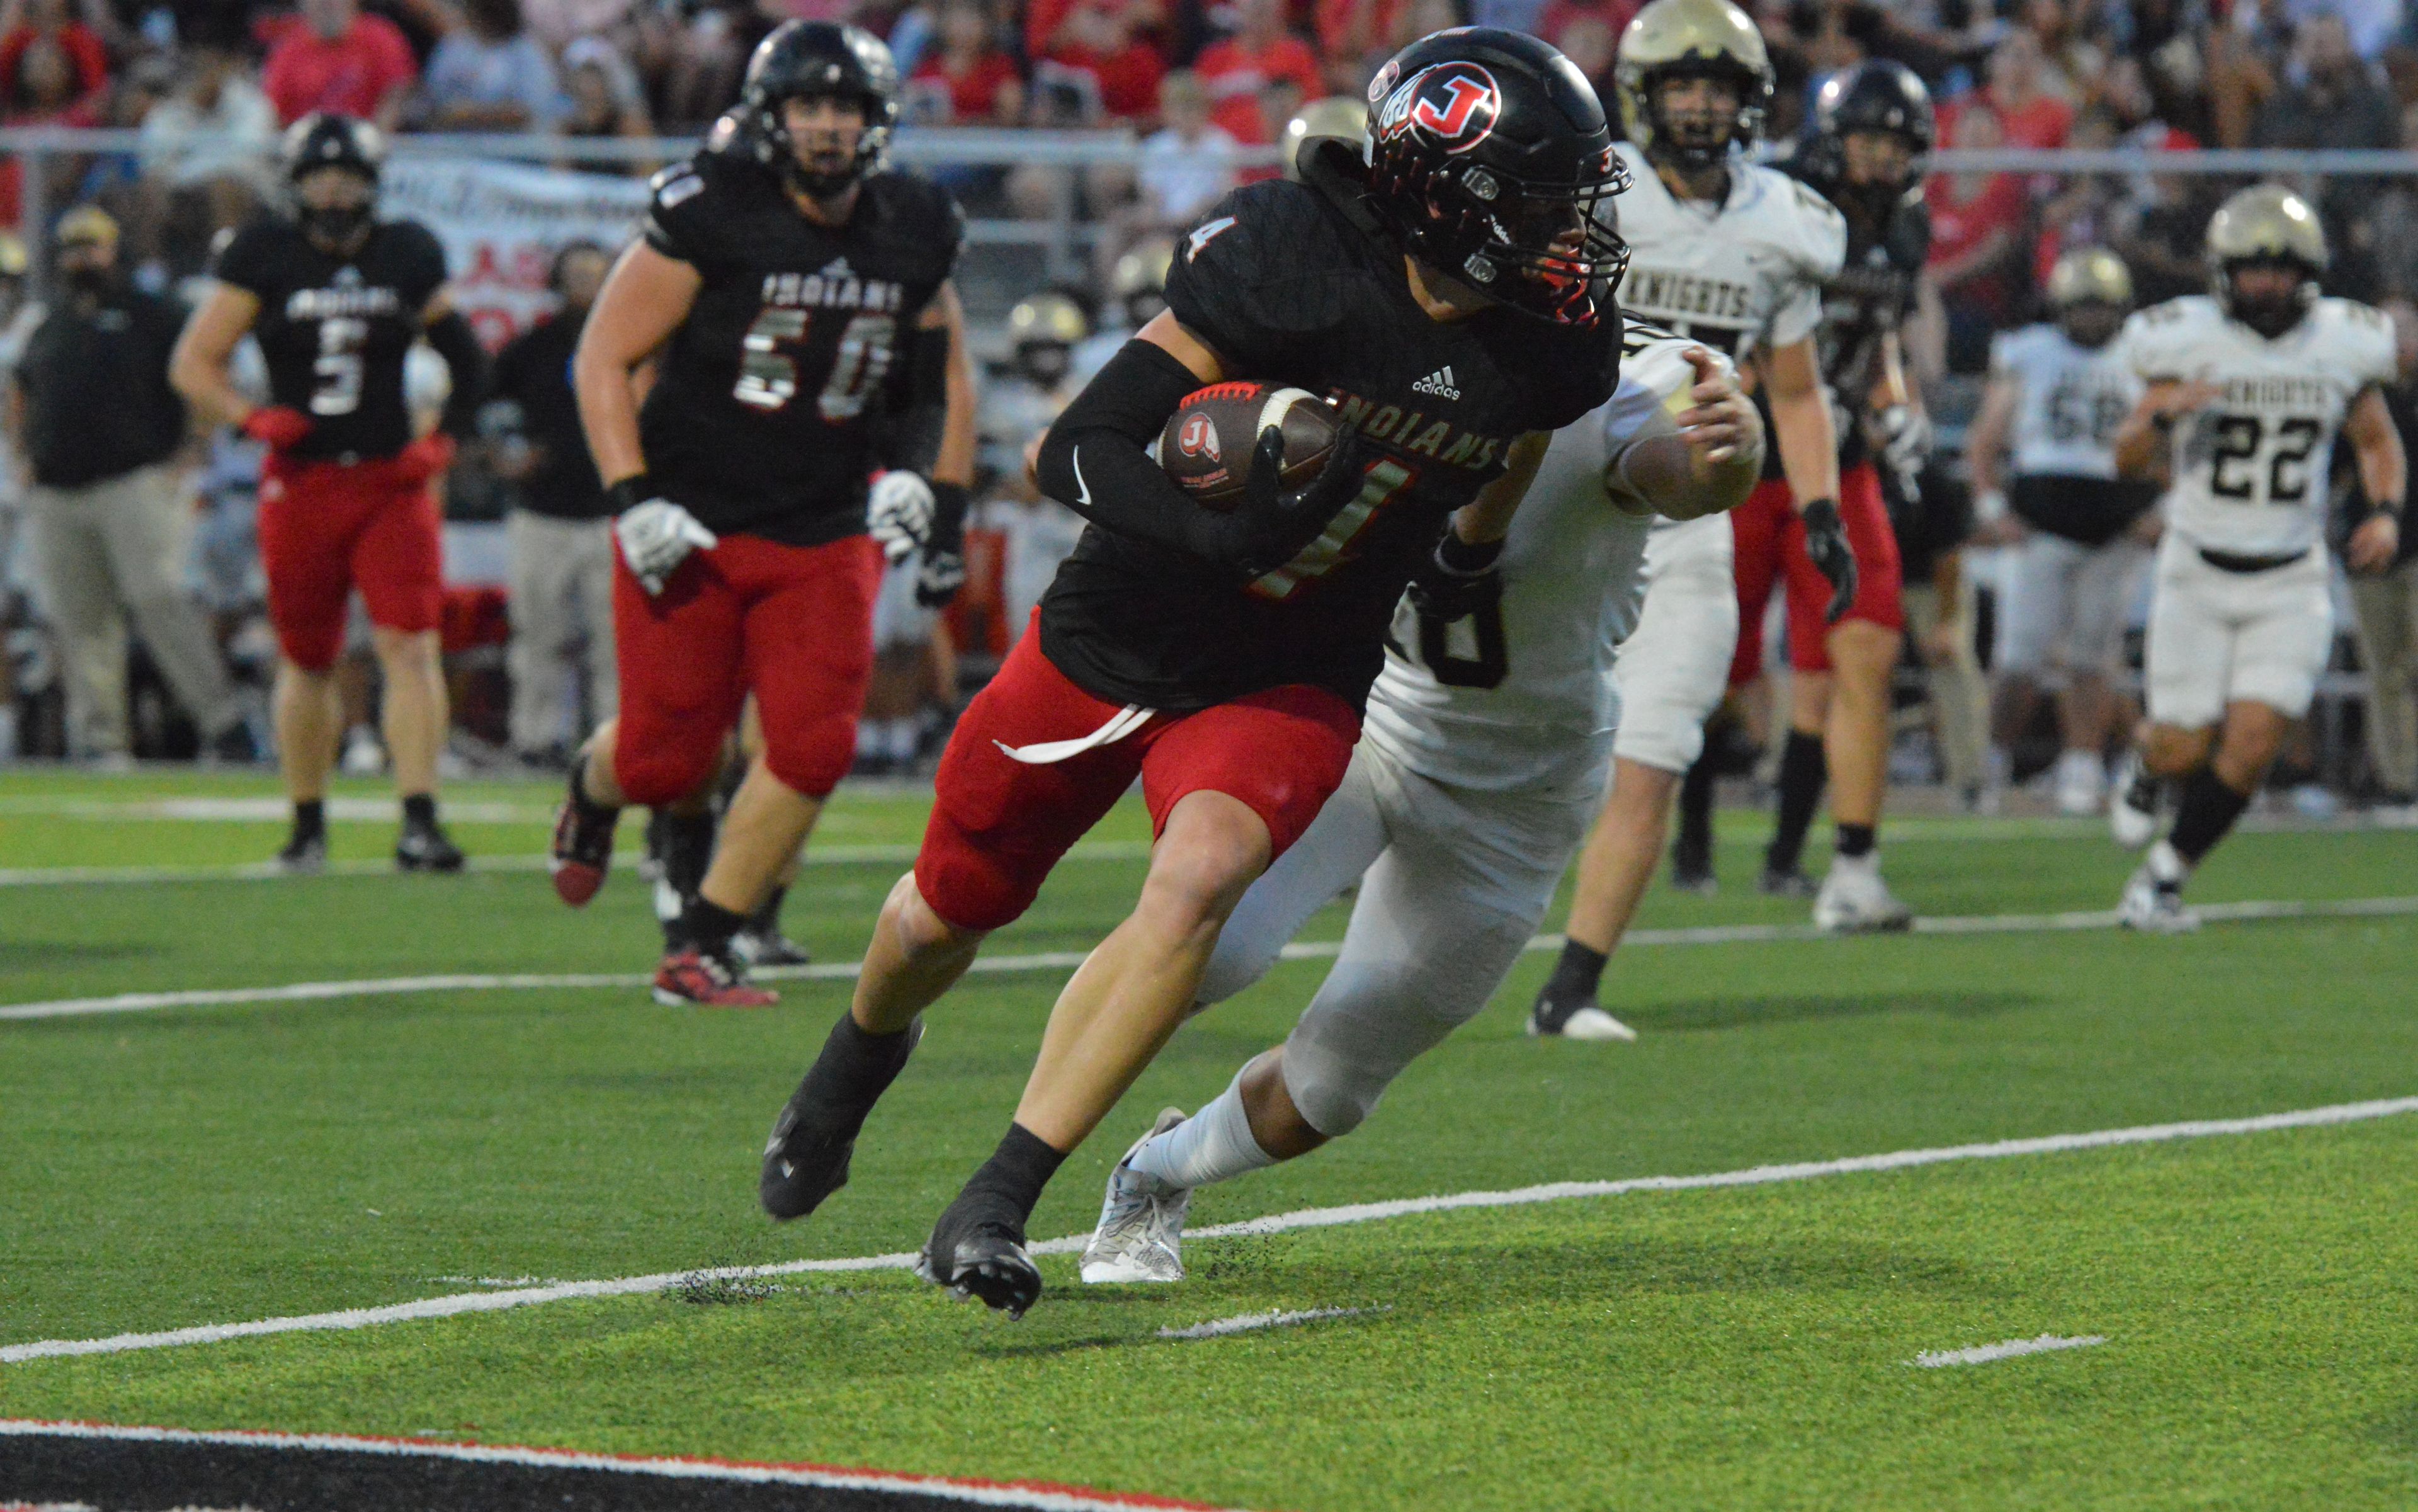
pixel 658 772
pixel 811 757
pixel 1327 1088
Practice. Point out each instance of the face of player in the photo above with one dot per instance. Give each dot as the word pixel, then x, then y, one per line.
pixel 2092 323
pixel 823 134
pixel 87 264
pixel 2266 295
pixel 1044 362
pixel 1877 160
pixel 336 204
pixel 1697 113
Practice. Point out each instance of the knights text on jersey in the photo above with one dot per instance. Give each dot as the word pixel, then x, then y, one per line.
pixel 1287 286
pixel 1739 276
pixel 2250 470
pixel 334 330
pixel 761 420
pixel 1521 695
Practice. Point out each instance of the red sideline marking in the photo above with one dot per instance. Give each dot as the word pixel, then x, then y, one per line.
pixel 1024 1493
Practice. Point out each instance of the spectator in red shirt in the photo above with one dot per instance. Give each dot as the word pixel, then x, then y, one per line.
pixel 43 88
pixel 1046 21
pixel 40 19
pixel 2028 115
pixel 338 60
pixel 1258 76
pixel 1977 222
pixel 1099 52
pixel 1557 17
pixel 968 80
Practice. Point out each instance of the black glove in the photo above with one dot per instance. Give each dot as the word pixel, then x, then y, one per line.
pixel 1270 527
pixel 940 570
pixel 1457 580
pixel 1826 543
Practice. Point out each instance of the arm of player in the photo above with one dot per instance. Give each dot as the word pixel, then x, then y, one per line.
pixel 643 301
pixel 2140 444
pixel 1801 425
pixel 1985 444
pixel 2383 477
pixel 921 506
pixel 1705 460
pixel 450 336
pixel 1896 408
pixel 1464 575
pixel 198 369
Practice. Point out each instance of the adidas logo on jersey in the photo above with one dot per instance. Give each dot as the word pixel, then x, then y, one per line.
pixel 837 268
pixel 1437 385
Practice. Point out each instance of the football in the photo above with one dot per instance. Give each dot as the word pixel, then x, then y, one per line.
pixel 1207 444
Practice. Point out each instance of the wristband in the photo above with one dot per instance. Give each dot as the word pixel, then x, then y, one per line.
pixel 1822 512
pixel 1466 558
pixel 630 491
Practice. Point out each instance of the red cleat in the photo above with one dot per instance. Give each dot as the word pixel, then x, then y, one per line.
pixel 691 976
pixel 582 850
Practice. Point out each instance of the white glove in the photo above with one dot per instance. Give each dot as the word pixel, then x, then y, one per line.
pixel 656 537
pixel 898 513
pixel 1905 439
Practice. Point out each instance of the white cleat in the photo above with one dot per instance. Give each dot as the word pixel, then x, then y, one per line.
pixel 2081 784
pixel 1854 901
pixel 2133 809
pixel 1141 1236
pixel 2153 908
pixel 1592 1024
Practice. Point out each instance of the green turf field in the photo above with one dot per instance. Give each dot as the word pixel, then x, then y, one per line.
pixel 1735 1347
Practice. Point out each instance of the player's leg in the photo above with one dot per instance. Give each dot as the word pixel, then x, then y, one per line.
pixel 398 566
pixel 1230 788
pixel 760 941
pixel 2387 610
pixel 1804 770
pixel 1862 650
pixel 1441 917
pixel 2187 664
pixel 806 644
pixel 307 530
pixel 1952 678
pixel 1671 672
pixel 1004 809
pixel 2031 625
pixel 1757 526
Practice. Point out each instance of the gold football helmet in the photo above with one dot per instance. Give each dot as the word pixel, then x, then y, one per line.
pixel 1337 116
pixel 1138 285
pixel 1690 39
pixel 2089 275
pixel 2266 223
pixel 1047 319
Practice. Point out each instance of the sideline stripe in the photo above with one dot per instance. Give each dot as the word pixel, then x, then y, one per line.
pixel 1983 1354
pixel 447 1307
pixel 1043 1496
pixel 1247 1323
pixel 1309 950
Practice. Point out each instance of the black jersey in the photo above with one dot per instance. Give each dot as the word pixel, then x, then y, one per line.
pixel 335 330
pixel 1288 284
pixel 762 417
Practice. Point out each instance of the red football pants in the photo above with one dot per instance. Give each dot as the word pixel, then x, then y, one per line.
pixel 1770 541
pixel 328 528
pixel 792 624
pixel 998 824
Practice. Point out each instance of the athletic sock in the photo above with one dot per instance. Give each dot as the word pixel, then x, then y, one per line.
pixel 578 782
pixel 685 844
pixel 1696 801
pixel 1214 1144
pixel 419 811
pixel 709 925
pixel 1576 975
pixel 1857 840
pixel 1015 1173
pixel 766 919
pixel 310 819
pixel 2207 810
pixel 1802 772
pixel 856 1067
pixel 2167 869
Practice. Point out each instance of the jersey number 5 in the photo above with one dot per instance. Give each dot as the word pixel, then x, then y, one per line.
pixel 767 362
pixel 339 367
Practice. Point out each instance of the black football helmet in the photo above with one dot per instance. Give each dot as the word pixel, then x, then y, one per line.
pixel 322 140
pixel 1881 97
pixel 817 60
pixel 1490 159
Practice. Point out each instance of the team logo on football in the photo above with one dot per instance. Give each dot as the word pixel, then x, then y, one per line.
pixel 1454 103
pixel 1199 437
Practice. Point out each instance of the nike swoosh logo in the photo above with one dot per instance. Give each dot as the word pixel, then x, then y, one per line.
pixel 1081 487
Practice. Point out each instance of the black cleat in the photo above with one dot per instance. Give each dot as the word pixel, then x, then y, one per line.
pixel 305 855
pixel 767 946
pixel 426 847
pixel 981 1245
pixel 582 847
pixel 1691 867
pixel 806 1158
pixel 1790 883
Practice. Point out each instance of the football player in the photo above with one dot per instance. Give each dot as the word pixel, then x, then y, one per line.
pixel 337 297
pixel 793 297
pixel 1485 751
pixel 2057 393
pixel 2247 388
pixel 1450 290
pixel 1733 255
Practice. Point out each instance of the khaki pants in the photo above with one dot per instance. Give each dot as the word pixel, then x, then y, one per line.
pixel 1960 702
pixel 2387 611
pixel 106 553
pixel 562 601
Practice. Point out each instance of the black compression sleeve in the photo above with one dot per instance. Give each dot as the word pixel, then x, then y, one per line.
pixel 453 338
pixel 1093 460
pixel 910 435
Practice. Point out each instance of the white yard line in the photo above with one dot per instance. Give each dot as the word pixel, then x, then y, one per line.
pixel 1253 1321
pixel 1039 1496
pixel 897 854
pixel 1984 1353
pixel 470 1301
pixel 1986 924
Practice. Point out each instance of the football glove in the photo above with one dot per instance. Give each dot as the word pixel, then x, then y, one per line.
pixel 1459 580
pixel 898 513
pixel 425 458
pixel 1826 543
pixel 656 535
pixel 1272 526
pixel 281 425
pixel 1904 435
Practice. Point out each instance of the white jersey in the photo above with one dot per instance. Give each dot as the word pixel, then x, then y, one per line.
pixel 2070 399
pixel 1739 276
pixel 2250 470
pixel 1526 699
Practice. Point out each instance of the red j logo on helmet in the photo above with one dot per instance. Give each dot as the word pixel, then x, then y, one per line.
pixel 1455 103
